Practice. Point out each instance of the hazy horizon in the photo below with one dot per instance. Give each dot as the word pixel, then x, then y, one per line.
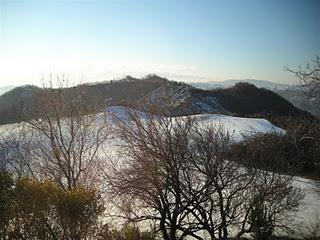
pixel 182 78
pixel 91 40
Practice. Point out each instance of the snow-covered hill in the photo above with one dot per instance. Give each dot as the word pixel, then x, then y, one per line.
pixel 237 127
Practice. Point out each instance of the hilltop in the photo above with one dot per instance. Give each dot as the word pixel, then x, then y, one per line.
pixel 243 99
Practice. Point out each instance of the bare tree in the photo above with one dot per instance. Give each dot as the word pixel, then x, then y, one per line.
pixel 178 173
pixel 153 170
pixel 234 188
pixel 15 151
pixel 221 205
pixel 67 134
pixel 309 75
pixel 312 230
pixel 272 194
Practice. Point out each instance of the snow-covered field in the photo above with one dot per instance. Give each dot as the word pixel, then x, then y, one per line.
pixel 237 127
pixel 309 209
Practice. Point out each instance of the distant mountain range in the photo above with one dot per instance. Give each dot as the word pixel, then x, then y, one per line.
pixel 242 99
pixel 231 82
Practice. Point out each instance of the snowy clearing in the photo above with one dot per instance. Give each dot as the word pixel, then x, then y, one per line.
pixel 238 128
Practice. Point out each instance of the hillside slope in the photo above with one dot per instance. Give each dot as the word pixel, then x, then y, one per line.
pixel 299 97
pixel 306 100
pixel 129 89
pixel 5 89
pixel 310 206
pixel 245 98
pixel 241 100
pixel 12 103
pixel 238 127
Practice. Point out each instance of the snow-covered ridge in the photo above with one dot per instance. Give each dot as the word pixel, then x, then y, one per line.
pixel 237 127
pixel 240 127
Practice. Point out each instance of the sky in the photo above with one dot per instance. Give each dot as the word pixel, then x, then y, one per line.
pixel 184 40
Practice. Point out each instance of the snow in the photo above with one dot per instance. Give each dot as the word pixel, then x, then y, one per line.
pixel 238 127
pixel 309 210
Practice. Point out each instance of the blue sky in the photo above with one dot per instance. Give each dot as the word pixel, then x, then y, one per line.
pixel 196 40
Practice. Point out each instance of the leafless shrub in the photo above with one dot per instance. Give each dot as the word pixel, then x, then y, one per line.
pixel 309 75
pixel 15 151
pixel 312 230
pixel 178 174
pixel 67 134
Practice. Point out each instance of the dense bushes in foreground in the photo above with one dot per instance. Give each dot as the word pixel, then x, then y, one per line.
pixel 41 210
pixel 31 209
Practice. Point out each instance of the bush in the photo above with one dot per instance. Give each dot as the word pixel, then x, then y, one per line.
pixel 127 232
pixel 6 193
pixel 42 210
pixel 261 222
pixel 297 152
pixel 78 211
